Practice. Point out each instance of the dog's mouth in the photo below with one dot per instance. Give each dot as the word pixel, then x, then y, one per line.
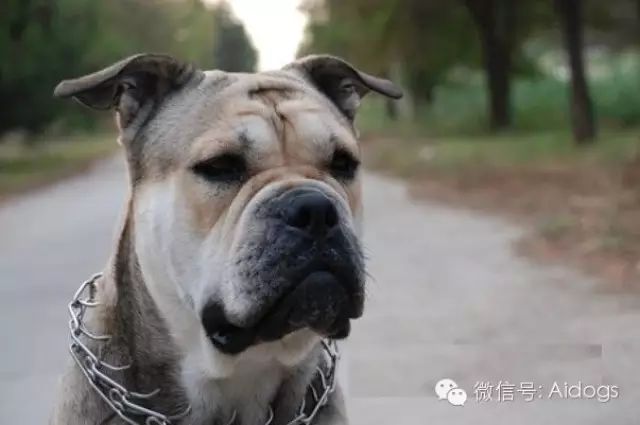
pixel 322 301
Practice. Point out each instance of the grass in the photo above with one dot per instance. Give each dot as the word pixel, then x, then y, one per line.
pixel 25 166
pixel 410 156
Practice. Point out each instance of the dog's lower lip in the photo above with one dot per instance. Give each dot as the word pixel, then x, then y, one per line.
pixel 341 331
pixel 232 339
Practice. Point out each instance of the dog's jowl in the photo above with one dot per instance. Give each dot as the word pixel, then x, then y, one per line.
pixel 239 260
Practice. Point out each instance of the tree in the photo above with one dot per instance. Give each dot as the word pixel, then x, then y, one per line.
pixel 582 116
pixel 45 41
pixel 409 41
pixel 38 51
pixel 495 20
pixel 435 37
pixel 233 51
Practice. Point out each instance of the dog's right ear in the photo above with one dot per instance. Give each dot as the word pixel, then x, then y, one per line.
pixel 132 86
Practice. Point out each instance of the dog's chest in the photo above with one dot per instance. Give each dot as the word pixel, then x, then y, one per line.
pixel 248 395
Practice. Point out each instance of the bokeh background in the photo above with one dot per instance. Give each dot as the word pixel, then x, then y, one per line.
pixel 527 107
pixel 524 110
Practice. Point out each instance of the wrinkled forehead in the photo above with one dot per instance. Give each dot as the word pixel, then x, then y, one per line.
pixel 265 115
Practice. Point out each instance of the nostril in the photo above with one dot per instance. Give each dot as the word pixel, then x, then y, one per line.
pixel 331 216
pixel 310 211
pixel 300 217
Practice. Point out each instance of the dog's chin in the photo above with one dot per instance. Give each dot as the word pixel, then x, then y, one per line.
pixel 319 302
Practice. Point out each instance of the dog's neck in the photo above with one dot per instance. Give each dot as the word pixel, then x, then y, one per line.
pixel 139 333
pixel 140 337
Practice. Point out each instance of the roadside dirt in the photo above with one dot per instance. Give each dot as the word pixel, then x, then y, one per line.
pixel 581 214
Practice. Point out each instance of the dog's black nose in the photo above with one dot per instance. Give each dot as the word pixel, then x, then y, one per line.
pixel 310 211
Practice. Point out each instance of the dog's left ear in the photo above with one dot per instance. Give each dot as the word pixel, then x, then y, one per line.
pixel 341 82
pixel 132 86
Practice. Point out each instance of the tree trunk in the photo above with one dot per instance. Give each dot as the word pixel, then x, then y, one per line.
pixel 582 117
pixel 494 20
pixel 426 94
pixel 390 106
pixel 392 109
pixel 422 94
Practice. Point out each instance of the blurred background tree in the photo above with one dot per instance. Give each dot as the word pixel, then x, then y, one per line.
pixel 45 41
pixel 232 50
pixel 570 14
pixel 443 51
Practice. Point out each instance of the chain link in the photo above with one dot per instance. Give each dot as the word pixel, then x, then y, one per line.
pixel 127 404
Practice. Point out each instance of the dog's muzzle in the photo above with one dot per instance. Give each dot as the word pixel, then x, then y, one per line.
pixel 309 267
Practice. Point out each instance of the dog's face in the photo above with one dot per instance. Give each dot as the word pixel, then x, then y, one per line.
pixel 246 197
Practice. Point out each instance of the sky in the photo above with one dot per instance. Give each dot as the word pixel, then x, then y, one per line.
pixel 276 28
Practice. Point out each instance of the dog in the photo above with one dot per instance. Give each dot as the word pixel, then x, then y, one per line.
pixel 239 253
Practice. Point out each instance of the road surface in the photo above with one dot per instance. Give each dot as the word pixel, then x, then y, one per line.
pixel 448 298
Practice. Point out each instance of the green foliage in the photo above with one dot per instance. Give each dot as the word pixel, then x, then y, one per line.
pixel 539 102
pixel 233 51
pixel 26 166
pixel 39 43
pixel 45 41
pixel 428 36
pixel 433 49
pixel 181 28
pixel 616 94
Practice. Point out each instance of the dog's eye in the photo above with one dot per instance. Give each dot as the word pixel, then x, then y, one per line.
pixel 225 168
pixel 344 165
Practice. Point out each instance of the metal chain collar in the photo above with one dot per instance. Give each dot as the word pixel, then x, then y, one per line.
pixel 128 405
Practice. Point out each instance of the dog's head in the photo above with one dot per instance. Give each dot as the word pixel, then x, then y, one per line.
pixel 246 196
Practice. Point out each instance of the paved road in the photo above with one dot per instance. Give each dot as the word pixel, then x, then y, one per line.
pixel 448 298
pixel 50 241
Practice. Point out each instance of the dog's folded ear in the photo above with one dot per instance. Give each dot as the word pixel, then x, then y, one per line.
pixel 341 82
pixel 130 86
